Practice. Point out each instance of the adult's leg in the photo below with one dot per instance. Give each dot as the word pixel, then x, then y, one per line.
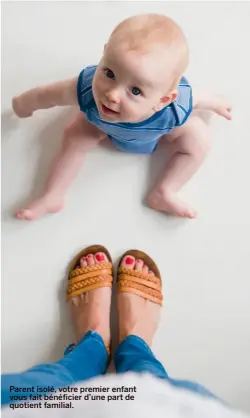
pixel 88 359
pixel 78 139
pixel 62 93
pixel 189 146
pixel 138 320
pixel 90 315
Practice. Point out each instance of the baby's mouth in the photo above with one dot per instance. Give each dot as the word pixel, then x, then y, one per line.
pixel 107 111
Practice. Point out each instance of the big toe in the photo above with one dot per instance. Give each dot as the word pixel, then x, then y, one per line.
pixel 128 261
pixel 101 258
pixel 92 259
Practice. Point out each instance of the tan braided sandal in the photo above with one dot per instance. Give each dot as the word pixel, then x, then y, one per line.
pixel 82 280
pixel 148 287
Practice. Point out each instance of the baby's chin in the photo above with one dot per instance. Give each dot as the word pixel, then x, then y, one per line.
pixel 120 119
pixel 111 120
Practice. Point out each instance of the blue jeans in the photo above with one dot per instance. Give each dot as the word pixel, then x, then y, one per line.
pixel 89 359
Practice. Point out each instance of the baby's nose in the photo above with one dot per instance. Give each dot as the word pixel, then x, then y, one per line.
pixel 113 96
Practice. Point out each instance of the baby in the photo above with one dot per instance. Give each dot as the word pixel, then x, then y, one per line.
pixel 136 96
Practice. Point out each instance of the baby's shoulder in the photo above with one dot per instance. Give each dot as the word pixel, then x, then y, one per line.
pixel 183 104
pixel 88 74
pixel 184 90
pixel 179 110
pixel 84 87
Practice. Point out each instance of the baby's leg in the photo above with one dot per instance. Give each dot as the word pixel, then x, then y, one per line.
pixel 189 146
pixel 62 93
pixel 79 138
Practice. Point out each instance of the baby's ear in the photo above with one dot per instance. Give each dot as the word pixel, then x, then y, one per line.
pixel 166 100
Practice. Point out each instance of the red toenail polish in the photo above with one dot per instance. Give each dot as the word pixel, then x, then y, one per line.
pixel 129 260
pixel 138 261
pixel 83 259
pixel 90 255
pixel 99 257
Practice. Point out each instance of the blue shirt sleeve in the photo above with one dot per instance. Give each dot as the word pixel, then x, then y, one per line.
pixel 84 87
pixel 183 105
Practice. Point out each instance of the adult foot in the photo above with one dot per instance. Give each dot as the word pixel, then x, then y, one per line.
pixel 91 310
pixel 170 203
pixel 39 207
pixel 20 107
pixel 136 315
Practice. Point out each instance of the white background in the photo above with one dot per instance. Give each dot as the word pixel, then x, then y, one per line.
pixel 205 330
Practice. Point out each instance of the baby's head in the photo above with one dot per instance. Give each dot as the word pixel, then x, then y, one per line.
pixel 142 64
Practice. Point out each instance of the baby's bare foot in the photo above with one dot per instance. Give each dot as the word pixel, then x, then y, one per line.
pixel 170 203
pixel 136 315
pixel 41 206
pixel 91 310
pixel 20 107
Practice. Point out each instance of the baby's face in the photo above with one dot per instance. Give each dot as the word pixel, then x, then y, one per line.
pixel 128 86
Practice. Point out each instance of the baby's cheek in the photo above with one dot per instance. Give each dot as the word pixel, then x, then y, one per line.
pixel 136 109
pixel 98 83
pixel 128 112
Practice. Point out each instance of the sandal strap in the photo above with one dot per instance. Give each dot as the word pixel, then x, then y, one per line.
pixel 92 274
pixel 149 287
pixel 89 269
pixel 133 273
pixel 89 284
pixel 83 280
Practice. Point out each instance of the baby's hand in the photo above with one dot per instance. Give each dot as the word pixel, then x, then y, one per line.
pixel 222 107
pixel 205 100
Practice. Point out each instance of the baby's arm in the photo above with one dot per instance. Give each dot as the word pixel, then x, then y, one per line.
pixel 61 93
pixel 203 100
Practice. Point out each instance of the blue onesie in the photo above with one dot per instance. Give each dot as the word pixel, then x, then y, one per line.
pixel 141 137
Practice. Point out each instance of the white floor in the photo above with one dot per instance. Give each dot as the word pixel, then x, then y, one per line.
pixel 205 330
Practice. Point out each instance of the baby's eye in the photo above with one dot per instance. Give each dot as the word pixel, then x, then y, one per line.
pixel 109 73
pixel 136 91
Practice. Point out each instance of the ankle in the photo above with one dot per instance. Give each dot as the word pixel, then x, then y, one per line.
pixel 52 196
pixel 104 331
pixel 99 327
pixel 160 194
pixel 148 339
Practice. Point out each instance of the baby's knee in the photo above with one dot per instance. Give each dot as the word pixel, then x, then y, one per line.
pixel 68 138
pixel 72 135
pixel 201 146
pixel 196 140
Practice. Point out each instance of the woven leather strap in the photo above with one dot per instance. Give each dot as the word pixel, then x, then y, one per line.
pixel 82 280
pixel 148 287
